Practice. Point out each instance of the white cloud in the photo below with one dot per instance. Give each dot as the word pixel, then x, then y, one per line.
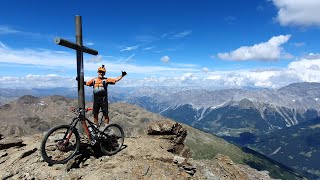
pixel 146 38
pixel 182 34
pixel 129 58
pixel 3 46
pixel 205 69
pixel 36 57
pixel 59 59
pixel 148 48
pixel 90 44
pixel 299 44
pixel 7 30
pixel 300 13
pixel 266 51
pixel 129 48
pixel 165 59
pixel 37 81
pixel 298 71
pixel 95 59
pixel 230 19
pixel 303 70
pixel 312 56
pixel 187 76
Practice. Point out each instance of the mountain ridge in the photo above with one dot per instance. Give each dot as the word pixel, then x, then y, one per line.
pixel 134 120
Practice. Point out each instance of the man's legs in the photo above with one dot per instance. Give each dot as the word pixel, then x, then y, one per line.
pixel 105 110
pixel 96 107
pixel 106 118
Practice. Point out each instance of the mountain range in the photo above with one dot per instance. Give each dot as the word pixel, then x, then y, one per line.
pixel 296 146
pixel 247 117
pixel 30 115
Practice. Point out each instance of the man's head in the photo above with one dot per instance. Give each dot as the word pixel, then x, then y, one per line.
pixel 101 71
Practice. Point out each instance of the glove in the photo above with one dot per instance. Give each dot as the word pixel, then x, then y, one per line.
pixel 123 73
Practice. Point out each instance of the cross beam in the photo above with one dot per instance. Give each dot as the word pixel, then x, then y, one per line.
pixel 75 46
pixel 80 50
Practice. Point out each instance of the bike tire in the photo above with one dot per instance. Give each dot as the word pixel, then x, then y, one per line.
pixel 112 143
pixel 54 145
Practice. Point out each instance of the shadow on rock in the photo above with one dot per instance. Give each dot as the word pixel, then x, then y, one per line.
pixel 86 151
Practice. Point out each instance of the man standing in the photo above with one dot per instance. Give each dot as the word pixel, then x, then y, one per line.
pixel 100 93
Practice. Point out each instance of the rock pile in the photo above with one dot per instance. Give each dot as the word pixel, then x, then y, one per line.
pixel 174 132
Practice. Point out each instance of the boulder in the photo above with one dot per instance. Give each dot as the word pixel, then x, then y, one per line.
pixel 173 131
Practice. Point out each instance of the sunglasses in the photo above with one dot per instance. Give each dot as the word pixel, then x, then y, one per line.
pixel 101 72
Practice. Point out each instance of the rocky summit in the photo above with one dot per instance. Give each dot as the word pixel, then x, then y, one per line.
pixel 149 156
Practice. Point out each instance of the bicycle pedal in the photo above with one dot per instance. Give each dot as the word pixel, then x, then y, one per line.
pixel 93 142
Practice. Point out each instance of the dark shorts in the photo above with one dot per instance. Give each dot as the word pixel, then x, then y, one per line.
pixel 100 102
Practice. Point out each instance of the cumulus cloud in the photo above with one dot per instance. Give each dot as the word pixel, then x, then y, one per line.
pixel 38 81
pixel 165 59
pixel 312 56
pixel 187 76
pixel 299 13
pixel 303 70
pixel 266 51
pixel 205 70
pixel 36 57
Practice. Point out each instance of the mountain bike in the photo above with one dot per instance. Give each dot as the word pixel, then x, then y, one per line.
pixel 61 143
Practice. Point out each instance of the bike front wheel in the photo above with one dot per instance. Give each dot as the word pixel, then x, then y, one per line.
pixel 112 139
pixel 60 144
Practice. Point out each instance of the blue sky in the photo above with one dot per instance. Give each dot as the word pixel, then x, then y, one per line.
pixel 212 44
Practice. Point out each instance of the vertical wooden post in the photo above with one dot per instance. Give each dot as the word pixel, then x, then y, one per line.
pixel 78 46
pixel 80 73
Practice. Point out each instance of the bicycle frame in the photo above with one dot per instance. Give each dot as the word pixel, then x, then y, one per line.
pixel 84 122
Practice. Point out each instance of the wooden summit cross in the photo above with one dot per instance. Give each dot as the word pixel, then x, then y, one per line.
pixel 80 50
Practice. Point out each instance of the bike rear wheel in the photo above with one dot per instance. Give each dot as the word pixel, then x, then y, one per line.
pixel 60 144
pixel 112 142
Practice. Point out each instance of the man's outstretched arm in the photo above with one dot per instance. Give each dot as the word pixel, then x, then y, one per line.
pixel 123 73
pixel 114 80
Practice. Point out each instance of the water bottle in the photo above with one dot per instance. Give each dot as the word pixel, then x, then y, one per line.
pixel 90 129
pixel 93 141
